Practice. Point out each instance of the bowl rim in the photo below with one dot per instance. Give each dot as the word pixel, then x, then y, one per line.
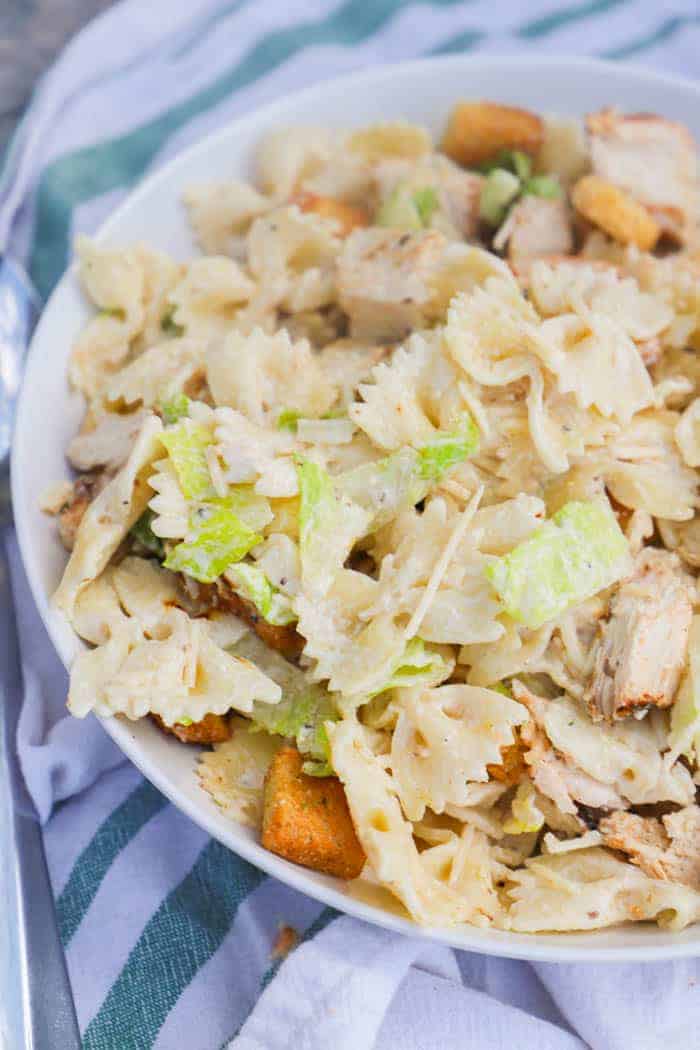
pixel 506 944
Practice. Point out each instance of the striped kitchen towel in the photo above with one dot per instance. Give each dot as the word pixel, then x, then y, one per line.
pixel 173 942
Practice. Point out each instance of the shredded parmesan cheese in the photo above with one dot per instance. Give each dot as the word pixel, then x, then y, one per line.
pixel 443 563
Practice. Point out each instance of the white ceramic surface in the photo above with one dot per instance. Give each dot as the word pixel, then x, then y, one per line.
pixel 48 414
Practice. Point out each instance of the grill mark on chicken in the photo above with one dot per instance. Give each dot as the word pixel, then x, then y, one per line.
pixel 640 653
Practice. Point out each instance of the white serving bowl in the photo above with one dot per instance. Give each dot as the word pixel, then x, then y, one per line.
pixel 48 414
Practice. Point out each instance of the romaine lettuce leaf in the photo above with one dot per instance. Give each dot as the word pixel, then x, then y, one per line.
pixel 419 666
pixel 578 552
pixel 387 486
pixel 186 444
pixel 143 532
pixel 175 408
pixel 500 189
pixel 253 585
pixel 218 538
pixel 390 485
pixel 448 449
pixel 302 711
pixel 253 510
pixel 330 524
pixel 287 419
pixel 426 202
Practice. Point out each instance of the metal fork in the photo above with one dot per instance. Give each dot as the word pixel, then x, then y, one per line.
pixel 36 1005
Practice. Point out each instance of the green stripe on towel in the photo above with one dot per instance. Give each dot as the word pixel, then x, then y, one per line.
pixel 177 941
pixel 98 856
pixel 565 16
pixel 666 31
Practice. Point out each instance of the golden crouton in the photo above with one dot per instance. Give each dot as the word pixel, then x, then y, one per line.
pixel 307 820
pixel 212 729
pixel 511 768
pixel 478 131
pixel 615 212
pixel 347 216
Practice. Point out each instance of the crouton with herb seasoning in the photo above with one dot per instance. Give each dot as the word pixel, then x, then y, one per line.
pixel 307 820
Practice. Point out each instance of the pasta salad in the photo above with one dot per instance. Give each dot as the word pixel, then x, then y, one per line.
pixel 388 501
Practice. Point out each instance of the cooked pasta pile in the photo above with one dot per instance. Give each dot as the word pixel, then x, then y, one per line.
pixel 389 499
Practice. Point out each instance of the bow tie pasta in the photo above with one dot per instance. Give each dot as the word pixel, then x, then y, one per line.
pixel 387 501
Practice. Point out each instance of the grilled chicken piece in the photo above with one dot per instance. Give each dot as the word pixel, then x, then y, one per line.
pixel 384 281
pixel 568 787
pixel 108 443
pixel 457 192
pixel 85 489
pixel 651 158
pixel 212 729
pixel 667 849
pixel 641 651
pixel 536 228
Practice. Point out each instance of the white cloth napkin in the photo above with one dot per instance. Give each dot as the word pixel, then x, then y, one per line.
pixel 169 938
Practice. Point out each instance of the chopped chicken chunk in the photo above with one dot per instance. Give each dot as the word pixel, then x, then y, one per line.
pixel 85 489
pixel 640 654
pixel 384 281
pixel 667 849
pixel 108 443
pixel 536 228
pixel 651 158
pixel 457 192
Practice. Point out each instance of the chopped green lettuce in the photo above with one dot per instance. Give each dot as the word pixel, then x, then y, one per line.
pixel 399 211
pixel 168 323
pixel 253 585
pixel 253 510
pixel 186 445
pixel 542 186
pixel 426 202
pixel 408 209
pixel 448 449
pixel 143 532
pixel 510 160
pixel 578 552
pixel 418 666
pixel 330 524
pixel 175 408
pixel 288 419
pixel 386 486
pixel 525 815
pixel 218 538
pixel 302 712
pixel 500 189
pixel 395 482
